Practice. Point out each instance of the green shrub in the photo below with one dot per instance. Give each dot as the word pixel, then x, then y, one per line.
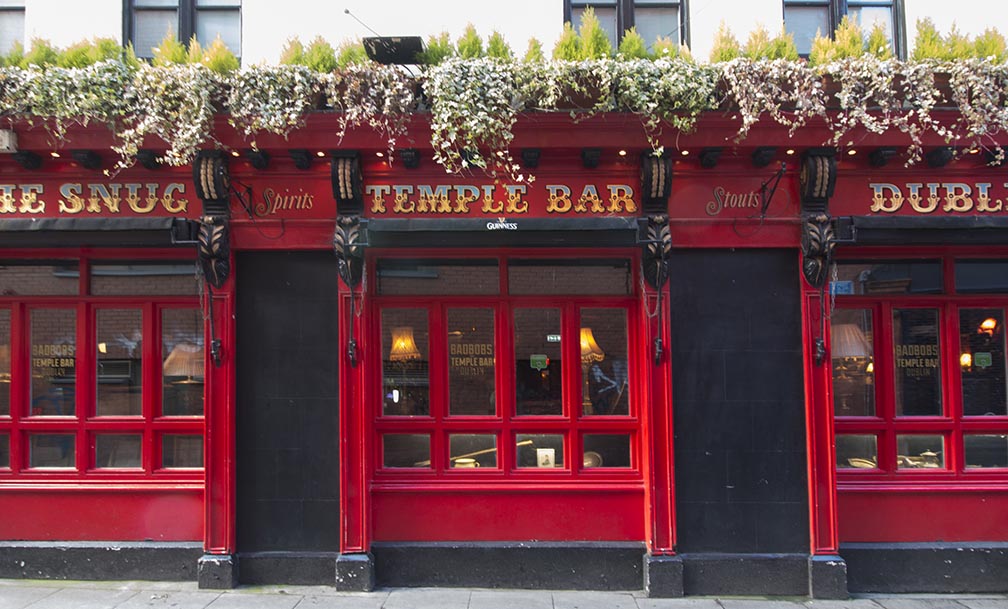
pixel 848 41
pixel 568 46
pixel 42 54
pixel 633 46
pixel 782 46
pixel 929 42
pixel 219 58
pixel 169 51
pixel 350 53
pixel 77 55
pixel 877 43
pixel 130 58
pixel 194 54
pixel 439 48
pixel 822 49
pixel 470 45
pixel 15 57
pixel 498 48
pixel 292 53
pixel 958 45
pixel 990 44
pixel 595 43
pixel 726 46
pixel 320 56
pixel 759 45
pixel 534 52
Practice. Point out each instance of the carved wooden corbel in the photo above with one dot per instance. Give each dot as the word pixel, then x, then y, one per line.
pixel 657 247
pixel 347 245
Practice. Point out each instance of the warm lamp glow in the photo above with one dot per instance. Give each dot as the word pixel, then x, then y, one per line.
pixel 988 326
pixel 404 348
pixel 5 375
pixel 849 341
pixel 185 360
pixel 590 351
pixel 966 360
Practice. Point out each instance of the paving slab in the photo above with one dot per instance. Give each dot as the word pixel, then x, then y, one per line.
pixel 760 603
pixel 677 603
pixel 342 601
pixel 919 603
pixel 854 603
pixel 175 599
pixel 428 598
pixel 253 600
pixel 984 603
pixel 593 600
pixel 19 597
pixel 511 599
pixel 83 598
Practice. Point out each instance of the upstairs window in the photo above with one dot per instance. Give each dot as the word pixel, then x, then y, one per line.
pixel 148 21
pixel 804 18
pixel 12 24
pixel 652 18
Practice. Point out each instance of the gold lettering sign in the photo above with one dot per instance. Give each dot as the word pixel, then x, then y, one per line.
pixel 927 198
pixel 497 199
pixel 86 199
pixel 471 359
pixel 726 199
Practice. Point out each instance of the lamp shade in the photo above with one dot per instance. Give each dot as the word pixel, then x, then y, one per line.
pixel 590 350
pixel 849 341
pixel 5 374
pixel 185 360
pixel 404 348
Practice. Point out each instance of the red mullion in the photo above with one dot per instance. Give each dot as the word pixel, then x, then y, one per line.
pixel 504 389
pixel 151 382
pixel 86 381
pixel 570 321
pixel 438 375
pixel 20 375
pixel 885 387
pixel 948 349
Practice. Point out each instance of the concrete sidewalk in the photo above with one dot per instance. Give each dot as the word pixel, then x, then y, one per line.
pixel 50 594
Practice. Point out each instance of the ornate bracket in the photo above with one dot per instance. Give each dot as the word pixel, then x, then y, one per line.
pixel 656 183
pixel 817 243
pixel 657 247
pixel 347 245
pixel 212 180
pixel 816 183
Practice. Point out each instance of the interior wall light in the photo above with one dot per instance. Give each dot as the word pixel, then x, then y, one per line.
pixel 850 350
pixel 185 364
pixel 591 353
pixel 404 347
pixel 988 326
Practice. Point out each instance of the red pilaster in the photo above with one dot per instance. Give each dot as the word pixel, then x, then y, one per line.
pixel 354 524
pixel 657 428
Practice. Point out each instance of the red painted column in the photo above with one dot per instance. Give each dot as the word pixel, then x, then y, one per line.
pixel 657 429
pixel 219 393
pixel 354 524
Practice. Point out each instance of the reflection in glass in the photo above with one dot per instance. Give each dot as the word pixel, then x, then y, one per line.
pixel 890 277
pixel 604 363
pixel 471 362
pixel 182 362
pixel 178 450
pixel 406 450
pixel 5 362
pixel 39 279
pixel 853 363
pixel 856 451
pixel 581 277
pixel 919 451
pixel 916 362
pixel 5 451
pixel 118 351
pixel 539 450
pixel 53 361
pixel 161 278
pixel 117 450
pixel 438 277
pixel 982 362
pixel 472 450
pixel 606 450
pixel 981 276
pixel 405 365
pixel 51 450
pixel 986 450
pixel 538 376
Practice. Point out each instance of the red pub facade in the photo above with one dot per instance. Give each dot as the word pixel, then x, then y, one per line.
pixel 757 368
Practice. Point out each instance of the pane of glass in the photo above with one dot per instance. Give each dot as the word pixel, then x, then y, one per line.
pixel 52 279
pixel 981 276
pixel 986 450
pixel 538 376
pixel 606 450
pixel 156 3
pixel 917 362
pixel 182 362
pixel 892 277
pixel 406 450
pixel 117 450
pixel 539 450
pixel 654 21
pixel 224 23
pixel 150 27
pixel 606 16
pixel 119 346
pixel 53 361
pixel 405 363
pixel 51 450
pixel 5 362
pixel 577 277
pixel 853 363
pixel 205 3
pixel 167 278
pixel 438 277
pixel 604 363
pixel 804 22
pixel 179 450
pixel 5 451
pixel 856 451
pixel 12 29
pixel 868 16
pixel 982 361
pixel 471 362
pixel 472 450
pixel 919 451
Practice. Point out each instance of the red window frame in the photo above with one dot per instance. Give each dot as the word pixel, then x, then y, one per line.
pixel 84 424
pixel 505 423
pixel 951 424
